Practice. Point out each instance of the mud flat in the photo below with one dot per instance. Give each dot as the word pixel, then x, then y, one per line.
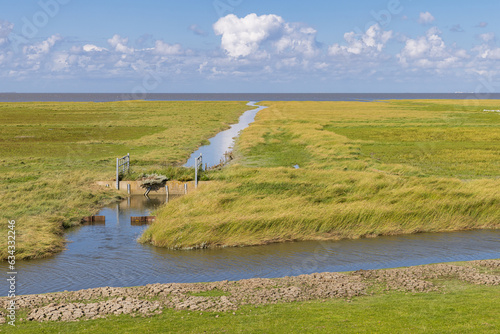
pixel 226 296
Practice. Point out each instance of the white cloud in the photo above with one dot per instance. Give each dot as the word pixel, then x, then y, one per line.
pixel 202 66
pixel 488 37
pixel 120 44
pixel 297 38
pixel 5 30
pixel 490 53
pixel 430 51
pixel 258 36
pixel 43 48
pixel 372 42
pixel 93 48
pixel 488 50
pixel 426 18
pixel 60 62
pixel 166 49
pixel 243 36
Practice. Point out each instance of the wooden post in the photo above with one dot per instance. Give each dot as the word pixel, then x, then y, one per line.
pixel 117 173
pixel 185 188
pixel 198 162
pixel 166 190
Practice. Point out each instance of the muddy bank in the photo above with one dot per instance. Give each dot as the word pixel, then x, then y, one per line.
pixel 229 296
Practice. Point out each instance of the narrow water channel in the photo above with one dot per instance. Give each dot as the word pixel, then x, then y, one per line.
pixel 224 141
pixel 108 255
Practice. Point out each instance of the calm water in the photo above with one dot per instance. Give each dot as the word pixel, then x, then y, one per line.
pixel 224 140
pixel 108 255
pixel 106 97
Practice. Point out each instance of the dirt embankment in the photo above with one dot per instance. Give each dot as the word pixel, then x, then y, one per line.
pixel 227 296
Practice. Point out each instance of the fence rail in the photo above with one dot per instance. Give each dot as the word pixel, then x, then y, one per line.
pixel 122 166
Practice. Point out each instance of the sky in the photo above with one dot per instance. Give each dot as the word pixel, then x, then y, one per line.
pixel 249 46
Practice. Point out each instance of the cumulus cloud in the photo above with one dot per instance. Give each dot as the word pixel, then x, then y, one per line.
pixel 119 44
pixel 5 30
pixel 430 51
pixel 488 37
pixel 488 50
pixel 482 24
pixel 60 62
pixel 166 49
pixel 242 37
pixel 297 38
pixel 43 48
pixel 431 45
pixel 93 48
pixel 371 42
pixel 426 18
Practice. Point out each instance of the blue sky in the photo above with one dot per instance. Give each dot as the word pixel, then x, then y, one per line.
pixel 249 46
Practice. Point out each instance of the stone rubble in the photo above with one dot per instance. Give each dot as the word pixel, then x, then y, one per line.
pixel 229 296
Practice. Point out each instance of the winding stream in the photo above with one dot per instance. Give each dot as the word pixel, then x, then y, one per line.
pixel 108 254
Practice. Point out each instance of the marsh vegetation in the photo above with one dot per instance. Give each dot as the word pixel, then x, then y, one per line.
pixel 366 169
pixel 51 154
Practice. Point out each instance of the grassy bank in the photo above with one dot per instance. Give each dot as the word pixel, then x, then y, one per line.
pixel 366 169
pixel 51 153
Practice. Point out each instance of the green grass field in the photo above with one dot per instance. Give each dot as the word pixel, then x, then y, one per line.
pixel 366 169
pixel 52 153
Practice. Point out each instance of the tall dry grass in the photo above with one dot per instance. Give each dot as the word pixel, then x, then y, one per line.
pixel 342 189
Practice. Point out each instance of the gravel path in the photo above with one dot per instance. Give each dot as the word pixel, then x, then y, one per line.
pixel 226 296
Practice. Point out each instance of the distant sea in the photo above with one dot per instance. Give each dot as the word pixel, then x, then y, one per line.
pixel 108 97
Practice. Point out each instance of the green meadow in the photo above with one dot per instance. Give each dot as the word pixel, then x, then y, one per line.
pixel 365 169
pixel 52 153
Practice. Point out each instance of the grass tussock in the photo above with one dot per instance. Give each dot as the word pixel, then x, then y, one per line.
pixel 366 169
pixel 52 153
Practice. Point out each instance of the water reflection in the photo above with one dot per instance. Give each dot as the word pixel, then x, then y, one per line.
pixel 223 141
